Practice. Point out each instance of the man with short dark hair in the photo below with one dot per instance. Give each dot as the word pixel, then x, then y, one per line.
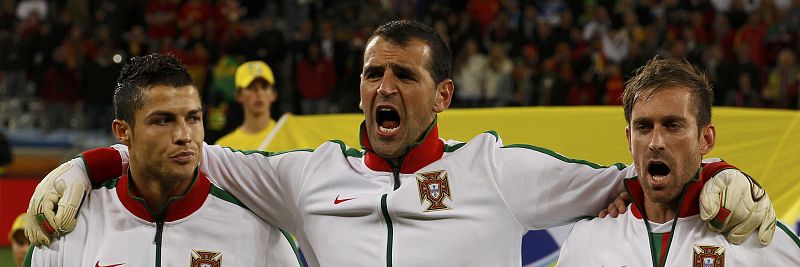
pixel 408 198
pixel 668 110
pixel 163 211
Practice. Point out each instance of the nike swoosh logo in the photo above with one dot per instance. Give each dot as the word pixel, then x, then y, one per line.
pixel 97 264
pixel 337 200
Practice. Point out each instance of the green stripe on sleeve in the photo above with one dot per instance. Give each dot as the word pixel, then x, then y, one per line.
pixel 27 261
pixel 560 157
pixel 296 250
pixel 224 195
pixel 790 233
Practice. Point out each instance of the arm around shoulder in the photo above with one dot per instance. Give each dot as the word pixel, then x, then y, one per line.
pixel 545 189
pixel 267 183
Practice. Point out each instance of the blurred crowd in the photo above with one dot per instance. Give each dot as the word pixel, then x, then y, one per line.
pixel 59 59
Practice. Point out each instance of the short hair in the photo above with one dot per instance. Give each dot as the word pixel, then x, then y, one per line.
pixel 660 73
pixel 400 32
pixel 141 74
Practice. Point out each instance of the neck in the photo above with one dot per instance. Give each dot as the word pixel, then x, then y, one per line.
pixel 256 122
pixel 660 212
pixel 157 191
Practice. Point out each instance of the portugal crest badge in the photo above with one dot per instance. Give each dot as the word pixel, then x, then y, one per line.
pixel 205 258
pixel 434 187
pixel 708 256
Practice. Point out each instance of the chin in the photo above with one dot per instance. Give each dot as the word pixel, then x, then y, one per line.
pixel 388 153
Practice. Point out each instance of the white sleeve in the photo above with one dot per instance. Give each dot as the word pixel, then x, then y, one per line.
pixel 267 183
pixel 572 251
pixel 45 256
pixel 784 250
pixel 544 189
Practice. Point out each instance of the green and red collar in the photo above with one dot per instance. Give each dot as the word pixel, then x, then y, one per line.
pixel 690 204
pixel 429 149
pixel 178 208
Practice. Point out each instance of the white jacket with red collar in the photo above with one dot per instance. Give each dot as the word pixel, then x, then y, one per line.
pixel 447 204
pixel 629 240
pixel 205 226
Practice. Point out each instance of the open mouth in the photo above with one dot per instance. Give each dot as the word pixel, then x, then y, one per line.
pixel 388 120
pixel 658 169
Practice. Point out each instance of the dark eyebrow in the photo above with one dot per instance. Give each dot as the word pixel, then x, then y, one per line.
pixel 171 114
pixel 673 118
pixel 403 71
pixel 195 112
pixel 372 69
pixel 638 121
pixel 161 113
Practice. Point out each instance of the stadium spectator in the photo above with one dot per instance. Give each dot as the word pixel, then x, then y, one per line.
pixel 469 75
pixel 497 83
pixel 316 77
pixel 6 157
pixel 781 86
pixel 724 37
pixel 19 243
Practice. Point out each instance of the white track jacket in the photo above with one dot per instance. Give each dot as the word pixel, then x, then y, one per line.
pixel 629 240
pixel 447 204
pixel 206 227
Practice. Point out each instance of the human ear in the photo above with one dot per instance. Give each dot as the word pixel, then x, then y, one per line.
pixel 708 137
pixel 444 95
pixel 123 131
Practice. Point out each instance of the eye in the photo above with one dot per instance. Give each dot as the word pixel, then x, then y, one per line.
pixel 162 120
pixel 195 118
pixel 370 75
pixel 404 75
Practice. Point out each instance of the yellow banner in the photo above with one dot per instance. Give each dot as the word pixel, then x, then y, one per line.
pixel 762 143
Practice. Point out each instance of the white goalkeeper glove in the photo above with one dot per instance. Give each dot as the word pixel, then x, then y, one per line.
pixel 734 204
pixel 54 205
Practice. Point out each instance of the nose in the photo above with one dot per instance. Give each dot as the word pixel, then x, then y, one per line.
pixel 657 139
pixel 182 133
pixel 388 84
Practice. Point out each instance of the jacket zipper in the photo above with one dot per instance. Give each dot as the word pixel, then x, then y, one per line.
pixel 385 212
pixel 396 172
pixel 157 240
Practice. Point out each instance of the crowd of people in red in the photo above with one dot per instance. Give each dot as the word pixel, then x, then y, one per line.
pixel 65 55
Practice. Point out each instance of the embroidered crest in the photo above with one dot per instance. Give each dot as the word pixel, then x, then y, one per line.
pixel 708 256
pixel 205 258
pixel 434 187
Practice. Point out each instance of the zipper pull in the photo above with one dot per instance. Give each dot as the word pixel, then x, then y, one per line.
pixel 159 230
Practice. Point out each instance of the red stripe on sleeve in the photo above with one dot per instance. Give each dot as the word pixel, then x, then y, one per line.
pixel 102 164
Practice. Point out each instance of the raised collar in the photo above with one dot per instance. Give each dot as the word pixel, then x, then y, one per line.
pixel 690 202
pixel 178 207
pixel 427 150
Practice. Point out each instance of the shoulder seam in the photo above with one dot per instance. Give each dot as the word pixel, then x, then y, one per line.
pixel 348 151
pixel 560 157
pixel 108 184
pixel 267 153
pixel 225 196
pixel 790 233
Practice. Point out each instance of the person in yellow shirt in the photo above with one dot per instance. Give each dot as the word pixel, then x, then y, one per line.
pixel 19 243
pixel 255 91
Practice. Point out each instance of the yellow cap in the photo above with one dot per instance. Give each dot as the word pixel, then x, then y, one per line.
pixel 19 224
pixel 249 71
